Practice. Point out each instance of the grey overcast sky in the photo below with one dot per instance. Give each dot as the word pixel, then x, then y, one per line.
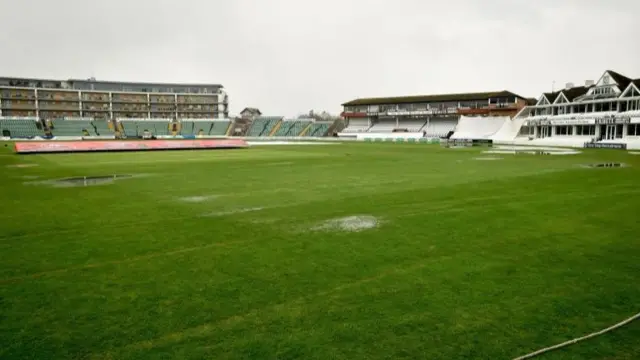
pixel 289 56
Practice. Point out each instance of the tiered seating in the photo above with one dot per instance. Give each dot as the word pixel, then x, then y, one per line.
pixel 262 126
pixel 220 128
pixel 186 127
pixel 298 127
pixel 75 127
pixel 102 127
pixel 284 128
pixel 383 126
pixel 292 127
pixel 204 126
pixel 356 126
pixel 439 127
pixel 412 125
pixel 156 127
pixel 133 128
pixel 130 127
pixel 257 127
pixel 21 127
pixel 317 129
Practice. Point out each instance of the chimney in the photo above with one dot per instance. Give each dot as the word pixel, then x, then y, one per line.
pixel 569 85
pixel 589 83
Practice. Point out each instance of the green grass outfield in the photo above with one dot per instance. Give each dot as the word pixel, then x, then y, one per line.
pixel 471 259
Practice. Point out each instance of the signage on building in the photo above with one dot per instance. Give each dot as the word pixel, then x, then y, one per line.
pixel 621 146
pixel 573 122
pixel 612 119
pixel 424 112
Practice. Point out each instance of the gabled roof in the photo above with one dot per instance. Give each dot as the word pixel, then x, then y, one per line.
pixel 432 98
pixel 620 79
pixel 551 96
pixel 251 110
pixel 561 95
pixel 574 92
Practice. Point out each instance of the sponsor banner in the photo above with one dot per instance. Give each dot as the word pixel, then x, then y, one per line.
pixel 621 146
pixel 560 122
pixel 613 120
pixel 139 145
pixel 467 142
pixel 99 137
pixel 573 122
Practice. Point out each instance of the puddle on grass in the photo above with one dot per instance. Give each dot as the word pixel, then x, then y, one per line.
pixel 82 181
pixel 21 165
pixel 198 199
pixel 348 224
pixel 488 158
pixel 605 165
pixel 531 150
pixel 634 152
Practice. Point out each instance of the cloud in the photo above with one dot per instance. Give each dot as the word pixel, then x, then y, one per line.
pixel 290 56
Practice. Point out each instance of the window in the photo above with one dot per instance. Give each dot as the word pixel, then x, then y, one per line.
pixel 586 130
pixel 563 130
pixel 633 130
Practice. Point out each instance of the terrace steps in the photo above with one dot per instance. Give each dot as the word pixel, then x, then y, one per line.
pixel 275 128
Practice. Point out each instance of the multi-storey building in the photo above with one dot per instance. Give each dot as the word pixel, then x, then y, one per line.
pixel 434 115
pixel 49 99
pixel 607 109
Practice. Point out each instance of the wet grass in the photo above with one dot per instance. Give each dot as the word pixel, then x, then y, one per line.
pixel 217 255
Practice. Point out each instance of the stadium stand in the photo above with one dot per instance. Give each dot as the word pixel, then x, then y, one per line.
pixel 439 127
pixel 128 127
pixel 25 127
pixel 478 127
pixel 412 125
pixel 102 127
pixel 186 127
pixel 72 127
pixel 292 127
pixel 383 126
pixel 220 127
pixel 263 126
pixel 204 127
pixel 134 128
pixel 317 129
pixel 357 125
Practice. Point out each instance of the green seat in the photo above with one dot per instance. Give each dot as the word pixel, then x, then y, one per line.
pixel 263 126
pixel 318 129
pixel 64 127
pixel 101 128
pixel 21 127
pixel 220 128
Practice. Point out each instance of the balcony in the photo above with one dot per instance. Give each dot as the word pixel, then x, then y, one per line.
pixel 352 114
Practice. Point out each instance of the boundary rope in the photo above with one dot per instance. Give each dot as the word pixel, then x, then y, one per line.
pixel 570 342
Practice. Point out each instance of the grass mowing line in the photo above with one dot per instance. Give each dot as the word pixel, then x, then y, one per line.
pixel 450 208
pixel 573 341
pixel 204 329
pixel 121 261
pixel 444 205
pixel 205 158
